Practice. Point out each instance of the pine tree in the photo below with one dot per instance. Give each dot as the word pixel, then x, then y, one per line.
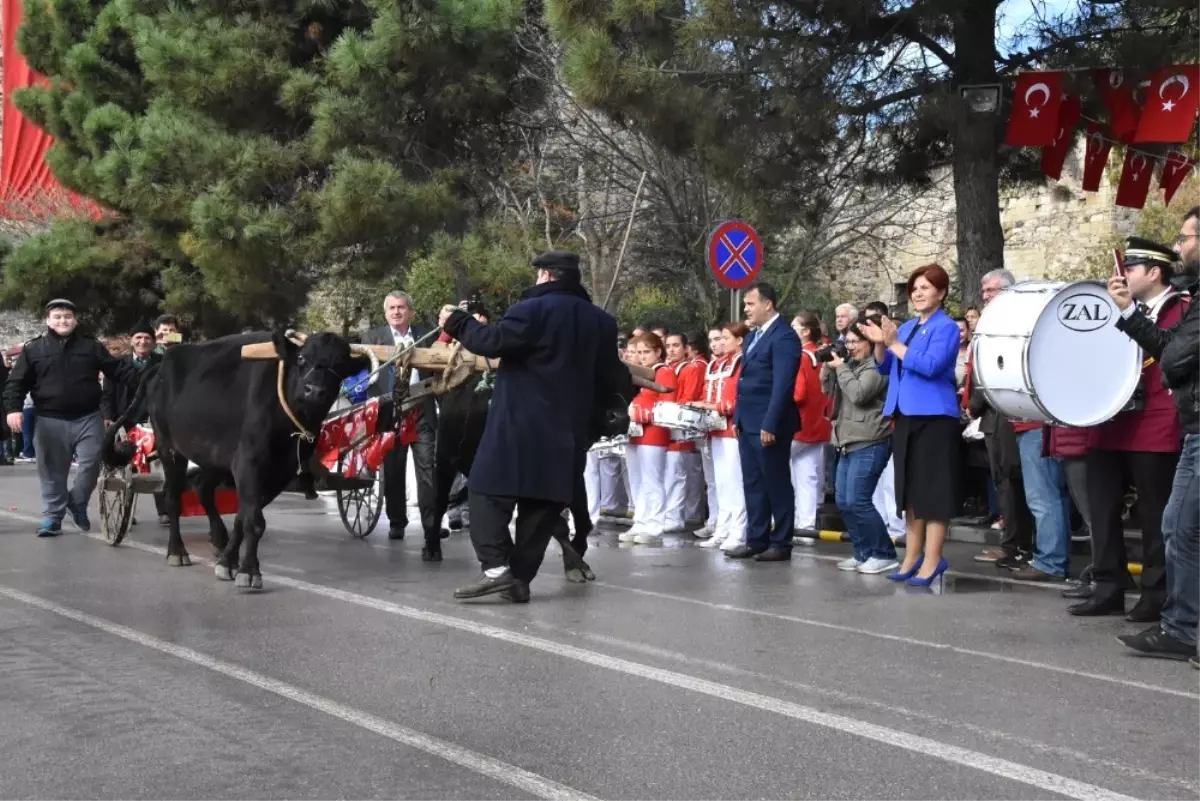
pixel 771 92
pixel 249 148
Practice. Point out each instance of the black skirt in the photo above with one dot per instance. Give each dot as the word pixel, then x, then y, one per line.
pixel 927 466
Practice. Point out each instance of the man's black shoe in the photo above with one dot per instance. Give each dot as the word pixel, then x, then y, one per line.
pixel 431 554
pixel 1099 605
pixel 396 533
pixel 518 593
pixel 1156 642
pixel 1148 609
pixel 1014 562
pixel 774 554
pixel 1080 591
pixel 485 586
pixel 744 552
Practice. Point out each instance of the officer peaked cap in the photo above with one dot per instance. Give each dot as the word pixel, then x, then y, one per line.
pixel 1143 252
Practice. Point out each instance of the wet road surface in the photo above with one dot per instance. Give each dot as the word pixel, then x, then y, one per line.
pixel 678 674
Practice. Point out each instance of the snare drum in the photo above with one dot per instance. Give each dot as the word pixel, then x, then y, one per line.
pixel 1050 352
pixel 680 418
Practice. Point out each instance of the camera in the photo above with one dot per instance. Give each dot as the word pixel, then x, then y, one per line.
pixel 827 353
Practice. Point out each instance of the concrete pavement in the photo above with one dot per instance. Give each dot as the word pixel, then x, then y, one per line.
pixel 678 674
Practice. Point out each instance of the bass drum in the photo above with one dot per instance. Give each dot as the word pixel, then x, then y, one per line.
pixel 1050 352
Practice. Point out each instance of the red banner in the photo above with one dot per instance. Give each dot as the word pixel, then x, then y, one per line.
pixel 1096 158
pixel 28 190
pixel 1054 155
pixel 1117 95
pixel 1172 101
pixel 1175 172
pixel 1036 101
pixel 1135 180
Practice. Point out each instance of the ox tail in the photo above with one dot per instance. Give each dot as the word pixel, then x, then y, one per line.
pixel 115 454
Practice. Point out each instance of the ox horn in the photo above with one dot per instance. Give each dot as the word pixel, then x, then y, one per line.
pixel 369 352
pixel 297 337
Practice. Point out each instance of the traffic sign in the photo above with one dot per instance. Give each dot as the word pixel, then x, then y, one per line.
pixel 735 254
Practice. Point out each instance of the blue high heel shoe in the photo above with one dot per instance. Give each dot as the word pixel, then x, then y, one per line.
pixel 906 574
pixel 925 582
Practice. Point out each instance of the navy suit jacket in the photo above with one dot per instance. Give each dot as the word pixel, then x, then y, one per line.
pixel 765 388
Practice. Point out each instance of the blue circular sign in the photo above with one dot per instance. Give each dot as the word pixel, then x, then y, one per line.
pixel 735 254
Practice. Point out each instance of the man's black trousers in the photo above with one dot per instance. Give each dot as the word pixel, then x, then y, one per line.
pixel 536 518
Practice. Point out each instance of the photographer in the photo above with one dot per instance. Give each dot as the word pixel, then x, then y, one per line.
pixel 863 438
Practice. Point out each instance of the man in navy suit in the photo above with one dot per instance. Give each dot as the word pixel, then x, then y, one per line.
pixel 765 419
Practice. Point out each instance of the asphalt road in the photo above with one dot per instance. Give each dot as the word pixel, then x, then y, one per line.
pixel 678 674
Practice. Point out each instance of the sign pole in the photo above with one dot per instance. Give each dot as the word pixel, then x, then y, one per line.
pixel 735 305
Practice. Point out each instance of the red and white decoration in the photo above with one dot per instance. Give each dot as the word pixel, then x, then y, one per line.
pixel 1143 114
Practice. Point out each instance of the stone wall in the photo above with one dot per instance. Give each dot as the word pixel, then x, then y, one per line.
pixel 1048 232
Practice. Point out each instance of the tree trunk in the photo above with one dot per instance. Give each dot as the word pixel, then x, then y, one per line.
pixel 979 237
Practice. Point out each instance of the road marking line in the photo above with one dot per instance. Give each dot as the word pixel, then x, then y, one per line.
pixel 1191 696
pixel 456 754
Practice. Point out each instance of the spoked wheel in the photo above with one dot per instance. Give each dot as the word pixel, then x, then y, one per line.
pixel 116 500
pixel 360 508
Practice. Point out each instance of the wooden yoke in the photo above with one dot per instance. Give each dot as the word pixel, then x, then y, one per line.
pixel 445 359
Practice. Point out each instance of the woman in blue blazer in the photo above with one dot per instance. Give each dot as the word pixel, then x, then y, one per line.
pixel 919 358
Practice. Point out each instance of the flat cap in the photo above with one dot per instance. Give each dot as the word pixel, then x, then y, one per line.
pixel 60 303
pixel 1140 251
pixel 557 260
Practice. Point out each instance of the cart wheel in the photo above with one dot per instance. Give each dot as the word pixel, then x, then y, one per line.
pixel 116 500
pixel 360 508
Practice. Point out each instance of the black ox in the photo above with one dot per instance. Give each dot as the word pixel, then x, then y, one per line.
pixel 234 419
pixel 462 414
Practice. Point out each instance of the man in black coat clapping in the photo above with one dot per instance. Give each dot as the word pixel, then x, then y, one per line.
pixel 558 356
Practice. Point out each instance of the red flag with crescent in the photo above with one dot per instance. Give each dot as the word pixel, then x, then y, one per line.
pixel 1096 157
pixel 1117 94
pixel 1135 180
pixel 1054 155
pixel 1172 101
pixel 1174 173
pixel 1037 99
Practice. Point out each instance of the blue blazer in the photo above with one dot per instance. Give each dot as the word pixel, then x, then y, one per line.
pixel 926 386
pixel 767 382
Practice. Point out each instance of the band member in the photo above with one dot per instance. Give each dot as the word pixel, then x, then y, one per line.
pixel 808 444
pixel 716 347
pixel 720 394
pixel 689 387
pixel 646 456
pixel 1143 441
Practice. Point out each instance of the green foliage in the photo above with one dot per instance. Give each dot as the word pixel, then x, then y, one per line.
pixel 256 149
pixel 655 304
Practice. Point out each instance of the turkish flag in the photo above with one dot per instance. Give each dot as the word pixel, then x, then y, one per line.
pixel 1135 180
pixel 1174 173
pixel 1117 95
pixel 1172 100
pixel 1096 157
pixel 1036 101
pixel 1054 155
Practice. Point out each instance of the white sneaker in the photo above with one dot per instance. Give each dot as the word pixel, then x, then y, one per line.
pixel 627 536
pixel 713 542
pixel 648 539
pixel 732 542
pixel 849 564
pixel 877 564
pixel 703 532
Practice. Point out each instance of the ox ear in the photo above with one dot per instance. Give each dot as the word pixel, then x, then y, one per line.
pixel 284 347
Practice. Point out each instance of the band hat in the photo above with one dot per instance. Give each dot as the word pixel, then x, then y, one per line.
pixel 557 260
pixel 60 303
pixel 1139 251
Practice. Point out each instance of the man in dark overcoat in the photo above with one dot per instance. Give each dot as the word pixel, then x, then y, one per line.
pixel 558 369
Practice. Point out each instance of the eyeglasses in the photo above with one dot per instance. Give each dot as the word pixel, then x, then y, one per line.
pixel 1182 237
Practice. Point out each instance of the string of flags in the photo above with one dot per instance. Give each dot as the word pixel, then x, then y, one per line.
pixel 1047 113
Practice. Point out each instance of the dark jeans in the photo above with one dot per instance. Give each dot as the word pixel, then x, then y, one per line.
pixel 494 546
pixel 395 473
pixel 1181 533
pixel 858 473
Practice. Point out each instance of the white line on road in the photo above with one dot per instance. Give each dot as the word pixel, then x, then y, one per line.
pixel 479 763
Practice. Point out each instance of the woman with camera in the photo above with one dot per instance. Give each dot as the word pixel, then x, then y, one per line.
pixel 863 438
pixel 922 399
pixel 808 444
